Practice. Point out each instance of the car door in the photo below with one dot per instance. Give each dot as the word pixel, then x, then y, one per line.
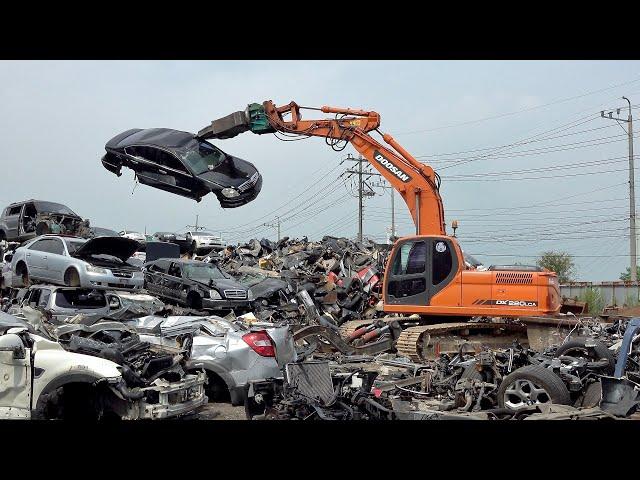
pixel 154 278
pixel 13 221
pixel 57 261
pixel 175 283
pixel 159 169
pixel 36 257
pixel 15 378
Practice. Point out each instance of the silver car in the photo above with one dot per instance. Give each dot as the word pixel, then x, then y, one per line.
pixel 72 261
pixel 198 241
pixel 231 352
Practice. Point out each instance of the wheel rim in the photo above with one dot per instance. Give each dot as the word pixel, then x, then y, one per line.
pixel 523 393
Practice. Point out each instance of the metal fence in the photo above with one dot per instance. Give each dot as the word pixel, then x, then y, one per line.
pixel 613 293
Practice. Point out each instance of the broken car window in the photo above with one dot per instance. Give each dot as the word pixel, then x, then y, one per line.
pixel 202 157
pixel 73 245
pixel 80 299
pixel 203 273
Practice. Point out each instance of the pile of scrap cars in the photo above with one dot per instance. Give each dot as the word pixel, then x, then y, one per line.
pixel 292 329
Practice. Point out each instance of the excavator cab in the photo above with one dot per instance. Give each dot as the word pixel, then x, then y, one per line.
pixel 420 267
pixel 427 274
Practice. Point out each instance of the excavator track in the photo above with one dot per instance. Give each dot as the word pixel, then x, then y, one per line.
pixel 417 342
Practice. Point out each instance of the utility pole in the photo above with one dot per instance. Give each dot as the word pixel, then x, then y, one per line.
pixel 632 192
pixel 275 225
pixel 360 198
pixel 196 227
pixel 364 189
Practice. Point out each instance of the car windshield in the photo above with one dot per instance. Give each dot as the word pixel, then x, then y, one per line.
pixel 51 207
pixel 73 245
pixel 80 299
pixel 203 273
pixel 202 156
pixel 203 234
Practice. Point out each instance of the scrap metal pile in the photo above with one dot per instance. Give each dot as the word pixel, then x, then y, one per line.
pixel 342 277
pixel 593 374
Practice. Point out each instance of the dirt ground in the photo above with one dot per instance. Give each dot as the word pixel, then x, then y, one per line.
pixel 221 411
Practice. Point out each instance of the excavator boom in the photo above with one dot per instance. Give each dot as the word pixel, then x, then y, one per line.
pixel 416 183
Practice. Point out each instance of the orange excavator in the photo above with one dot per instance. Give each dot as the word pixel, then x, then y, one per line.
pixel 426 274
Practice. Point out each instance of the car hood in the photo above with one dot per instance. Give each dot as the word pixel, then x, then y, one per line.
pixel 233 172
pixel 118 247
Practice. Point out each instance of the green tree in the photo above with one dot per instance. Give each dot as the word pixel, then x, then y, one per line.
pixel 559 262
pixel 626 276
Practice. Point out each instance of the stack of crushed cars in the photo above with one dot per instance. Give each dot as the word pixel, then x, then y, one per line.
pixel 342 277
pixel 593 374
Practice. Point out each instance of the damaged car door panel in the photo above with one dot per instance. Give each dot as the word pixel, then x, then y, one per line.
pixel 181 163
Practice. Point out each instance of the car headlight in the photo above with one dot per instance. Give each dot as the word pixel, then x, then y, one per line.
pixel 230 192
pixel 215 295
pixel 100 270
pixel 250 296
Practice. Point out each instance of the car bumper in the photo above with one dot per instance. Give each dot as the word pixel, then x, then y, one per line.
pixel 175 398
pixel 225 304
pixel 243 198
pixel 110 281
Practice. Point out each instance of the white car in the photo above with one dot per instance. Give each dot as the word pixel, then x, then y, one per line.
pixel 198 241
pixel 41 379
pixel 137 236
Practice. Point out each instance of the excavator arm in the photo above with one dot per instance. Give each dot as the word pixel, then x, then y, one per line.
pixel 416 183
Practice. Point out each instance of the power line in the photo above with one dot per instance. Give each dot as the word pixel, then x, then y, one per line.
pixel 502 115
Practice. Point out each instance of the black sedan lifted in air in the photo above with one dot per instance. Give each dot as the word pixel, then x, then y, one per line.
pixel 181 163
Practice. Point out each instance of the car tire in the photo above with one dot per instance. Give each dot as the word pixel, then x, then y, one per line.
pixel 72 278
pixel 194 301
pixel 576 348
pixel 532 385
pixel 591 397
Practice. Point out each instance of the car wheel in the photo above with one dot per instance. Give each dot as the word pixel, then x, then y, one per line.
pixel 576 348
pixel 532 385
pixel 72 278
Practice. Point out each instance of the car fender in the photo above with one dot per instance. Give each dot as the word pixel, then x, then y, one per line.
pixel 54 367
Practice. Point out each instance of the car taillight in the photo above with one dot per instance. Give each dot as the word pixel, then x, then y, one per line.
pixel 260 343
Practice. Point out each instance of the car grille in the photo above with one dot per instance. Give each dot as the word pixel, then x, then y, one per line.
pixel 249 183
pixel 236 294
pixel 122 274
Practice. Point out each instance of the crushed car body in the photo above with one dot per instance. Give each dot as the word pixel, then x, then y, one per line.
pixel 94 371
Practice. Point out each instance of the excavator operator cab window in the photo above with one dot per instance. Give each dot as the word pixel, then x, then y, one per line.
pixel 410 260
pixel 442 262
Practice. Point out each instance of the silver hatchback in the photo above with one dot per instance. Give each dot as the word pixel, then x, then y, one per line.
pixel 99 262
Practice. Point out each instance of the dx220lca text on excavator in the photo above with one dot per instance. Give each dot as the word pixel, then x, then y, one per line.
pixel 426 274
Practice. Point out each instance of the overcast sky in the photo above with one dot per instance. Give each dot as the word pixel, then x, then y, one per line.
pixel 539 194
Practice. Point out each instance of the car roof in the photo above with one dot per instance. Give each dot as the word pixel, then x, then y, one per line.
pixel 163 137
